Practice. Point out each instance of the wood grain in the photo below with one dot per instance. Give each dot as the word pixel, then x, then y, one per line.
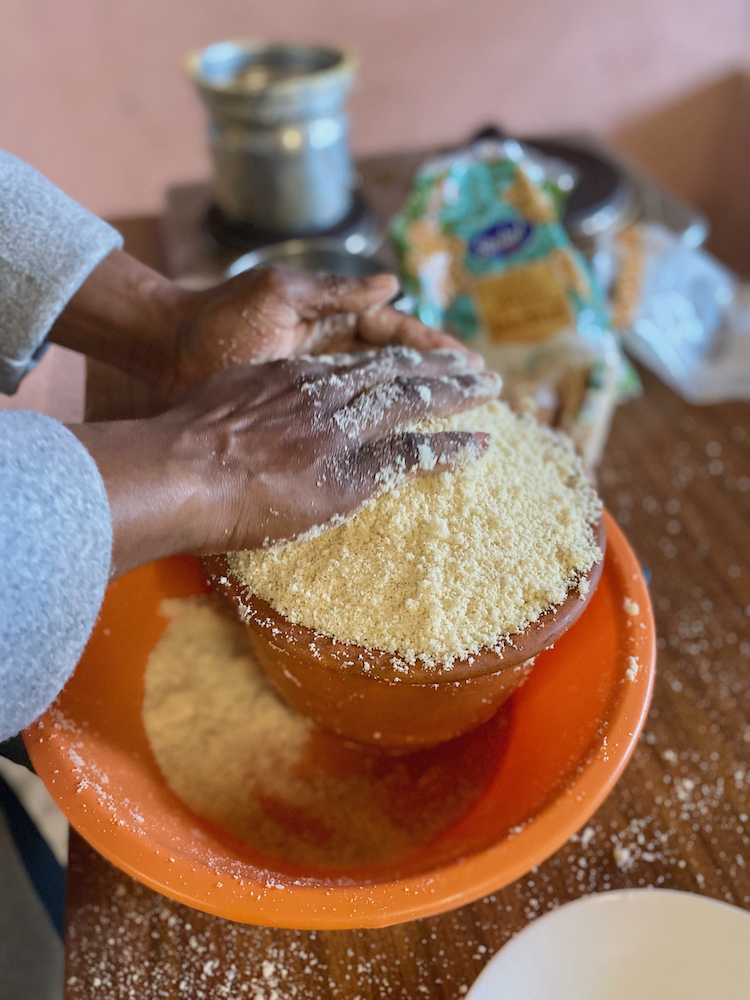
pixel 677 478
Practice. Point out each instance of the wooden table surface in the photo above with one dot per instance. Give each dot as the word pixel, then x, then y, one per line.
pixel 677 478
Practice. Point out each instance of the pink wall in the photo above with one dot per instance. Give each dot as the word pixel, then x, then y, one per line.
pixel 93 94
pixel 92 91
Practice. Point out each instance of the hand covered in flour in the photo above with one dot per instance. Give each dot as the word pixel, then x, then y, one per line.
pixel 269 313
pixel 263 453
pixel 133 318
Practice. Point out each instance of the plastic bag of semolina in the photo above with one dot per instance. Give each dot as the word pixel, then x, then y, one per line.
pixel 483 255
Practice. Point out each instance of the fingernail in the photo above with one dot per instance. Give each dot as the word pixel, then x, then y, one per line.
pixel 471 448
pixel 384 281
pixel 480 442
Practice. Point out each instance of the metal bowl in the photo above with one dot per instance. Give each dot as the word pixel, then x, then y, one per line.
pixel 329 255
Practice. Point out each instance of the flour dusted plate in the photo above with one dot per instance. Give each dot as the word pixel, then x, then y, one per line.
pixel 540 769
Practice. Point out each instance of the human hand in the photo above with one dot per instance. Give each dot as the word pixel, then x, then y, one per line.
pixel 129 316
pixel 263 453
pixel 269 313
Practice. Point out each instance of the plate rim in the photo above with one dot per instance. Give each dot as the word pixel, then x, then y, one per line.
pixel 599 898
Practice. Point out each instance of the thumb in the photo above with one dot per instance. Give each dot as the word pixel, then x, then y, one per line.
pixel 318 295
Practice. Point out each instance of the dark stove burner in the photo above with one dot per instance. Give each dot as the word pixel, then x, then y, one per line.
pixel 244 237
pixel 599 186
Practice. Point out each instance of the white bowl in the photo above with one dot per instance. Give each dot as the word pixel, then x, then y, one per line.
pixel 635 944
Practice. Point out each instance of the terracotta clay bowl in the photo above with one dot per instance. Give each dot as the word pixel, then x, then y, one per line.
pixel 366 695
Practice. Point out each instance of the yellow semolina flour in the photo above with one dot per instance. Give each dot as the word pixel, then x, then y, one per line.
pixel 240 757
pixel 447 564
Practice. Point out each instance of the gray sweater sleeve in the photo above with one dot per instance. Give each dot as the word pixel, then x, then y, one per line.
pixel 55 541
pixel 49 245
pixel 55 528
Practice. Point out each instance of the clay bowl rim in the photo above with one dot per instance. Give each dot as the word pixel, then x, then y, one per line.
pixel 338 655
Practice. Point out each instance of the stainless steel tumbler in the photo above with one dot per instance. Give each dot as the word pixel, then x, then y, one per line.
pixel 278 133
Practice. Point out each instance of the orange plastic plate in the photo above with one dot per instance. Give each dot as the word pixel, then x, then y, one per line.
pixel 553 755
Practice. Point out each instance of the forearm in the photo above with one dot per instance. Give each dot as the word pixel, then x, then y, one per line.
pixel 124 314
pixel 151 492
